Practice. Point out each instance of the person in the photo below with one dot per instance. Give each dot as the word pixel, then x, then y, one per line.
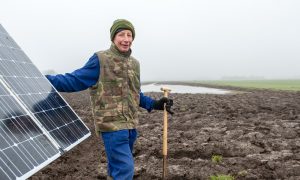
pixel 113 79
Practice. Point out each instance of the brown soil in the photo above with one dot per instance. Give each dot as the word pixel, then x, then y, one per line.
pixel 256 133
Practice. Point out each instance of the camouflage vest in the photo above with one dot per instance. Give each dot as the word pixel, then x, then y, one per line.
pixel 116 96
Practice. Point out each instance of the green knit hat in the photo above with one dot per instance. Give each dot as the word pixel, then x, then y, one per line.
pixel 121 24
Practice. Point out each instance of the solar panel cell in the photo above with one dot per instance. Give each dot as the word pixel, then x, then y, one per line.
pixel 5 172
pixel 11 170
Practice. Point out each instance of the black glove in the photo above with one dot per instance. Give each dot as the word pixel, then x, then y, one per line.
pixel 159 104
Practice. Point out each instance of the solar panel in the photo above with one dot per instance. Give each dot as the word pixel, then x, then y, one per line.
pixel 36 123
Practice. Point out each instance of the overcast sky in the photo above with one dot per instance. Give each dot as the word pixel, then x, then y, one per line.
pixel 175 40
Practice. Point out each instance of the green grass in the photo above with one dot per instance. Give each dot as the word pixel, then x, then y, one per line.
pixel 221 177
pixel 216 158
pixel 291 85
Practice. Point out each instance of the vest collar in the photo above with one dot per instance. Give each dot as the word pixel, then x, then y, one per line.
pixel 116 51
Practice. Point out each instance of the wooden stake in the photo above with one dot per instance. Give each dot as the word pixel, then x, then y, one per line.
pixel 165 134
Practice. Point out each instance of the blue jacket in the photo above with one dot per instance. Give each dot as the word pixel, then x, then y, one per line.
pixel 86 77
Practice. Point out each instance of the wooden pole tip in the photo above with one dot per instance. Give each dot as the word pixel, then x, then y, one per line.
pixel 165 89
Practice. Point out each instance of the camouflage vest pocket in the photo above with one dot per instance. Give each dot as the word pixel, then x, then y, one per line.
pixel 113 88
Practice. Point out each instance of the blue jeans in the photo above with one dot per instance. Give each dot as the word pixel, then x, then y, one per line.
pixel 118 148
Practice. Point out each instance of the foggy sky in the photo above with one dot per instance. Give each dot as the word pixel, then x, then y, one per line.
pixel 175 40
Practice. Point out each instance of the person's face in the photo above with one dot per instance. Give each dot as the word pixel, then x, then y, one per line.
pixel 123 40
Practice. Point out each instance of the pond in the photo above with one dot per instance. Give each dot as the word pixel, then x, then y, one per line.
pixel 183 89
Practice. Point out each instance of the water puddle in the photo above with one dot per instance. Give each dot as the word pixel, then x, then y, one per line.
pixel 183 89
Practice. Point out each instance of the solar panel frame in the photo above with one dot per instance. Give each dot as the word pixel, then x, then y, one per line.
pixel 40 104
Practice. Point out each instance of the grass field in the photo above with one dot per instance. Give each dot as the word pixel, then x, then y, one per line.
pixel 292 85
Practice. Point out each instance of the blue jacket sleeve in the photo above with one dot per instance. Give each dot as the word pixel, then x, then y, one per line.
pixel 146 102
pixel 79 79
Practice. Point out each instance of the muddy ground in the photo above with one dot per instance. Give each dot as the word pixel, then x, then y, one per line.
pixel 256 132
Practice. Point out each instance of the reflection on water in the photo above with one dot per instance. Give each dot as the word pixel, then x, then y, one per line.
pixel 183 89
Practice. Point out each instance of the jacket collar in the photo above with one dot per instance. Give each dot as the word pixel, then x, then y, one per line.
pixel 116 51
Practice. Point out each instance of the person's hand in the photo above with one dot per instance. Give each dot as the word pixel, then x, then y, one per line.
pixel 159 104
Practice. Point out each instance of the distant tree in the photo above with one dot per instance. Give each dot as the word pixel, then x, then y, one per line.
pixel 50 72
